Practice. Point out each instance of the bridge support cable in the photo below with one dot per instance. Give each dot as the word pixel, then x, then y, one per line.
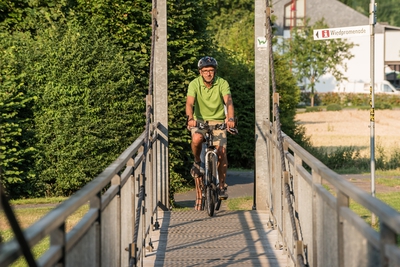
pixel 284 174
pixel 5 205
pixel 136 254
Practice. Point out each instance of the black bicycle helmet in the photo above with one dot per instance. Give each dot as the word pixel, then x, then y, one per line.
pixel 207 62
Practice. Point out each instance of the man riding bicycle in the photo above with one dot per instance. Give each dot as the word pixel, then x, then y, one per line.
pixel 210 95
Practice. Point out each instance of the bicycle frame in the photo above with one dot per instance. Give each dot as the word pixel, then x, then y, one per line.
pixel 211 162
pixel 210 177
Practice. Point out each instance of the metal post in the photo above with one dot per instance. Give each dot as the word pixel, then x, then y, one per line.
pixel 372 22
pixel 262 102
pixel 161 97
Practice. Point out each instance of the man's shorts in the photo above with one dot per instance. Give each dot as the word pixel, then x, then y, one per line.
pixel 219 135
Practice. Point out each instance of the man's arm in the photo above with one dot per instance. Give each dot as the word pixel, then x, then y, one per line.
pixel 230 117
pixel 189 111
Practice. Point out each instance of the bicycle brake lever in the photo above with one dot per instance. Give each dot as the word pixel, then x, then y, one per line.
pixel 202 125
pixel 233 131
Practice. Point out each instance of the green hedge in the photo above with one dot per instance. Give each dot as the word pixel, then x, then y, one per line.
pixel 17 149
pixel 333 107
pixel 382 101
pixel 74 76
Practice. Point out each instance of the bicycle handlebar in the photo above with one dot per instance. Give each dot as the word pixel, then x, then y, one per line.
pixel 221 126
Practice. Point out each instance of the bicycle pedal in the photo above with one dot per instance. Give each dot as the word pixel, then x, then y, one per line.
pixel 222 194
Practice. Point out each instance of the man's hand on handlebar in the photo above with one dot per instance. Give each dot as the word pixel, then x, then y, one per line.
pixel 191 123
pixel 230 126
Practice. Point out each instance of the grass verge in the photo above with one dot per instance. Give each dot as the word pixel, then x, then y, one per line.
pixel 29 215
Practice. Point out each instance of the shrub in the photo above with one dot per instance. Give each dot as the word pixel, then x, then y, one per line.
pixel 394 161
pixel 313 109
pixel 88 110
pixel 384 105
pixel 333 107
pixel 330 98
pixel 305 98
pixel 17 148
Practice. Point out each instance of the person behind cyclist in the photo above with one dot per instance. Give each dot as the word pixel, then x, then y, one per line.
pixel 209 99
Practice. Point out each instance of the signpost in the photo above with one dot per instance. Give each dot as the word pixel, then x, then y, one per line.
pixel 346 32
pixel 324 34
pixel 372 22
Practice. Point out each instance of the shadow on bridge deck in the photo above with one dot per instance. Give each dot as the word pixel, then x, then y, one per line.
pixel 230 238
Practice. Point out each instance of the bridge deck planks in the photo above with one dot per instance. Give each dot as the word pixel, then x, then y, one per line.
pixel 230 238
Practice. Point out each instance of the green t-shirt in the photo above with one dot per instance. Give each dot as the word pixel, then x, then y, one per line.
pixel 209 102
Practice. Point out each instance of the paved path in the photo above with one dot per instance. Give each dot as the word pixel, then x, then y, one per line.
pixel 363 181
pixel 240 185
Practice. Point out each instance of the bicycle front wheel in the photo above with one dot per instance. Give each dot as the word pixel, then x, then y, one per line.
pixel 210 201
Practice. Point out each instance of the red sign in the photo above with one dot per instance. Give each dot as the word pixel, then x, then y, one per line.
pixel 325 34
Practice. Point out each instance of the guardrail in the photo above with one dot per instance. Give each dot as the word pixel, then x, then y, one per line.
pixel 126 192
pixel 329 232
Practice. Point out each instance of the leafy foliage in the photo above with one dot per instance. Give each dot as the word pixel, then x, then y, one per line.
pixel 29 15
pixel 333 107
pixel 233 26
pixel 382 101
pixel 76 72
pixel 89 107
pixel 16 149
pixel 387 11
pixel 311 60
pixel 185 47
pixel 289 94
pixel 240 147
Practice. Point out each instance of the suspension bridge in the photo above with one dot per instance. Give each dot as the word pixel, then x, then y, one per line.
pixel 295 221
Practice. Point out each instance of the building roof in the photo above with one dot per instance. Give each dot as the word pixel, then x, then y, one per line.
pixel 335 13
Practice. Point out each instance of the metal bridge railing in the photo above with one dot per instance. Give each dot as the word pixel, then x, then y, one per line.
pixel 123 200
pixel 124 193
pixel 329 232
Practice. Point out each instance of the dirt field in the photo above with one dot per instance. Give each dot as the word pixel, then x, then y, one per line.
pixel 332 129
pixel 352 127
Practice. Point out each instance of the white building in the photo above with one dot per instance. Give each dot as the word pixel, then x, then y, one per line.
pixel 291 13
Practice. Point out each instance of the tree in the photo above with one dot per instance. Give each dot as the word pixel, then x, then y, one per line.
pixel 187 43
pixel 387 11
pixel 66 83
pixel 89 108
pixel 312 59
pixel 233 26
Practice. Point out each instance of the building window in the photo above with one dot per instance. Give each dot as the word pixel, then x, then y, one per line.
pixel 294 14
pixel 392 76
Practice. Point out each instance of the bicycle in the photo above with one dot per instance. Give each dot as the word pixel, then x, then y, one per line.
pixel 209 183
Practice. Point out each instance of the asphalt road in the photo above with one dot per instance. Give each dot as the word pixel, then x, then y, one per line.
pixel 240 184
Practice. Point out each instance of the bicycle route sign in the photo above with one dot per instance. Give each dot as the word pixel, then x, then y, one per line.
pixel 334 33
